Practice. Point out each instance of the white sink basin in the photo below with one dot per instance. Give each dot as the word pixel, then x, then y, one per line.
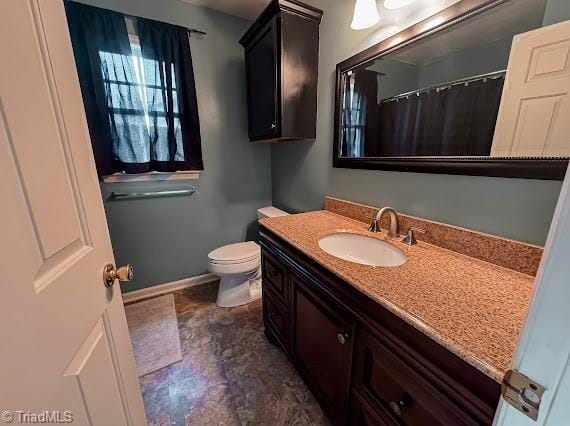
pixel 362 249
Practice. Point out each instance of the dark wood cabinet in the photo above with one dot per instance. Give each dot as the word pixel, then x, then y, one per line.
pixel 281 60
pixel 262 82
pixel 364 365
pixel 323 341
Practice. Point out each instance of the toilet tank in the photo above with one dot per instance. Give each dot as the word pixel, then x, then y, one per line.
pixel 270 211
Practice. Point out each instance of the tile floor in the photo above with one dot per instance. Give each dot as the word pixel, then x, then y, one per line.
pixel 229 375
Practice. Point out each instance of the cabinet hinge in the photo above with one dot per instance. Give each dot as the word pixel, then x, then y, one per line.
pixel 522 393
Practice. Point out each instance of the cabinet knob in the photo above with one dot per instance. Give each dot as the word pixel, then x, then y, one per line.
pixel 396 406
pixel 273 126
pixel 342 337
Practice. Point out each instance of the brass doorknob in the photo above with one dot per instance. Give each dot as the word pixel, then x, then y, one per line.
pixel 112 273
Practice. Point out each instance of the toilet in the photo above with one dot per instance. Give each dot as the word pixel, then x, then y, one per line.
pixel 239 268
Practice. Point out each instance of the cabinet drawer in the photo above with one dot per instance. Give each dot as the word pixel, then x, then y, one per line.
pixel 275 277
pixel 396 388
pixel 276 318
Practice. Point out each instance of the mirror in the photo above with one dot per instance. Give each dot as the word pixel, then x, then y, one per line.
pixel 429 100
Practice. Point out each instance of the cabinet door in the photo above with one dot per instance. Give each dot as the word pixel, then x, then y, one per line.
pixel 535 104
pixel 323 347
pixel 262 68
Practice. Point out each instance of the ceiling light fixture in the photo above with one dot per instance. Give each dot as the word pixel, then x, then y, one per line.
pixel 397 4
pixel 365 14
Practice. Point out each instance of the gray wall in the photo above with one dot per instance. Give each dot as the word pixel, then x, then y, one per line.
pixel 556 11
pixel 400 77
pixel 465 63
pixel 302 172
pixel 169 238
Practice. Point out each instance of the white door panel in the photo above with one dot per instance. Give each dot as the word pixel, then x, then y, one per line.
pixel 543 351
pixel 535 105
pixel 93 372
pixel 65 342
pixel 534 120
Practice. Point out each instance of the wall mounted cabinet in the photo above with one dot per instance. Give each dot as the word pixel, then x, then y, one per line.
pixel 281 59
pixel 364 364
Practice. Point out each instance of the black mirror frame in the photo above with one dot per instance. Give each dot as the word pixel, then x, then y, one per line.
pixel 521 167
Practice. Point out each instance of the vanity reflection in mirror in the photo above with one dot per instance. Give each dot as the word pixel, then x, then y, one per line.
pixel 459 97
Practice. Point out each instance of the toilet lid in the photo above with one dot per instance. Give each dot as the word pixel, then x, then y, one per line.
pixel 235 253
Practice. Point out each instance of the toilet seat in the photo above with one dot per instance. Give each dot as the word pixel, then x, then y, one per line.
pixel 245 268
pixel 233 254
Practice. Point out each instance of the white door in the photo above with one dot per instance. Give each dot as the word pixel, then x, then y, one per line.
pixel 543 351
pixel 535 105
pixel 64 343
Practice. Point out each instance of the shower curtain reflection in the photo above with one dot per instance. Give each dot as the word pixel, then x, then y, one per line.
pixel 455 120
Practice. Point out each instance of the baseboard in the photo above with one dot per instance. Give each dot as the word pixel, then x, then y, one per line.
pixel 157 290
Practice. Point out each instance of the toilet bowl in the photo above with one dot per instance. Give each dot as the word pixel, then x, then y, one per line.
pixel 239 268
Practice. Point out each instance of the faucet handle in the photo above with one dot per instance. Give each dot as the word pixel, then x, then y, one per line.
pixel 410 238
pixel 373 225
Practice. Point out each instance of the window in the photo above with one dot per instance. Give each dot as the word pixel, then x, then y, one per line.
pixel 142 111
pixel 353 119
pixel 137 104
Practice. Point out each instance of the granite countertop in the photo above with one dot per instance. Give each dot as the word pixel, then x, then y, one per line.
pixel 473 308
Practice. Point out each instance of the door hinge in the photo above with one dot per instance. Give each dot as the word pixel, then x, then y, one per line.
pixel 522 393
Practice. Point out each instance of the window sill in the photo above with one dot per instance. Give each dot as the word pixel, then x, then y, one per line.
pixel 152 176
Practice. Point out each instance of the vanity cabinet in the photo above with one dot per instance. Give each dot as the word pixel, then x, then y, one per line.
pixel 281 61
pixel 364 364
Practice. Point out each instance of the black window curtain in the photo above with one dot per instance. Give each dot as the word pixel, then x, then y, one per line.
pixel 95 30
pixel 171 94
pixel 140 119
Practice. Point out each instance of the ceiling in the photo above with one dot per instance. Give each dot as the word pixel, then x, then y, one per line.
pixel 504 21
pixel 508 19
pixel 248 9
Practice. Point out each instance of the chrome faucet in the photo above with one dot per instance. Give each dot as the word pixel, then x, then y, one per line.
pixel 393 229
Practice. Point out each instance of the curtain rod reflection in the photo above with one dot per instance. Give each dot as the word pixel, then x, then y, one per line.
pixel 466 81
